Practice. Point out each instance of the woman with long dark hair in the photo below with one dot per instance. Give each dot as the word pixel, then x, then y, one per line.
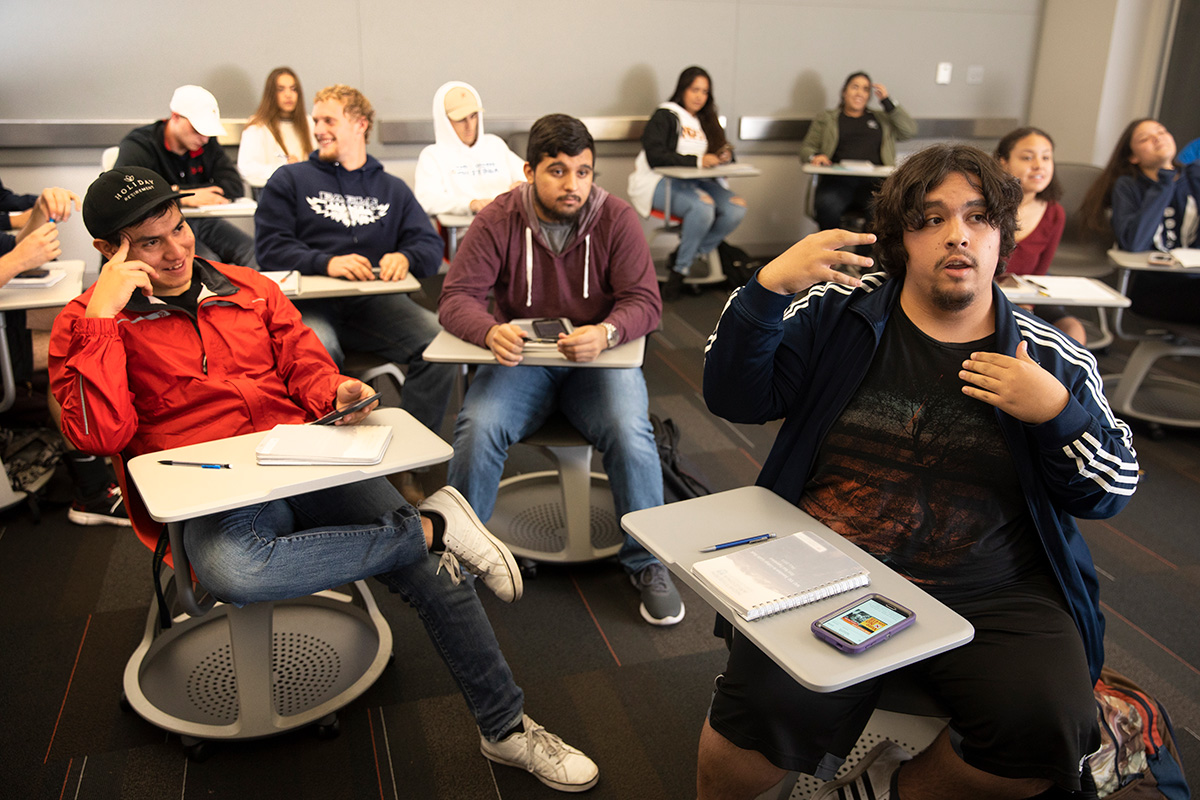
pixel 685 131
pixel 1028 155
pixel 278 133
pixel 853 132
pixel 1154 200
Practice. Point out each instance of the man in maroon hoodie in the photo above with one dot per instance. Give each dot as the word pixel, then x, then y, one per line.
pixel 559 246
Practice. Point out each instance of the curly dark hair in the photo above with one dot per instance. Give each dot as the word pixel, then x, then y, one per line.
pixel 899 204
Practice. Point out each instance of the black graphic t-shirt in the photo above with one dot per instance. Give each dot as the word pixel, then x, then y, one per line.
pixel 919 475
pixel 859 139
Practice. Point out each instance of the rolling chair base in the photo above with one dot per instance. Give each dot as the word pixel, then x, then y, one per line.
pixel 532 518
pixel 260 670
pixel 1159 399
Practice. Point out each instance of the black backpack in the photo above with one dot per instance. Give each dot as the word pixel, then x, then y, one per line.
pixel 679 482
pixel 737 264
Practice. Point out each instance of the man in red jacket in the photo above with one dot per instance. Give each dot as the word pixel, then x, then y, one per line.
pixel 558 246
pixel 167 349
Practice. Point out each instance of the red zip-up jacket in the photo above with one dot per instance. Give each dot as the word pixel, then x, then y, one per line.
pixel 154 377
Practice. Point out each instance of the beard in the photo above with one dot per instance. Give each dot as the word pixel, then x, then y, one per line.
pixel 952 300
pixel 552 213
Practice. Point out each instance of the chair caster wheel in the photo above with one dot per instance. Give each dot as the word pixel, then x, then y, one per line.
pixel 328 728
pixel 200 750
pixel 528 568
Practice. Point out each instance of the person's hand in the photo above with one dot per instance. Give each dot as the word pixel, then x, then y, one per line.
pixel 709 160
pixel 583 344
pixel 348 393
pixel 55 204
pixel 19 219
pixel 38 246
pixel 1017 385
pixel 820 160
pixel 725 155
pixel 507 343
pixel 351 266
pixel 812 260
pixel 881 91
pixel 478 204
pixel 204 196
pixel 118 280
pixel 393 267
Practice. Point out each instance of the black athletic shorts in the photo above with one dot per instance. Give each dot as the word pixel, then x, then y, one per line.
pixel 1019 694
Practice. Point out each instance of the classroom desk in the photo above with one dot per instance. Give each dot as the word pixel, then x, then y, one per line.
pixel 1063 290
pixel 446 348
pixel 1163 400
pixel 313 287
pixel 242 207
pixel 876 171
pixel 676 532
pixel 697 173
pixel 174 494
pixel 452 224
pixel 19 298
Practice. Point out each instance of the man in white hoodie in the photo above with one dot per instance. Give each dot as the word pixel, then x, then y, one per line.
pixel 465 169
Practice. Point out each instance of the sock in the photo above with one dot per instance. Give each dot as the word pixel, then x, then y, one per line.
pixel 90 474
pixel 439 530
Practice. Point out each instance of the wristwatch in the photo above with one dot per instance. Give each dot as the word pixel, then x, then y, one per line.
pixel 613 336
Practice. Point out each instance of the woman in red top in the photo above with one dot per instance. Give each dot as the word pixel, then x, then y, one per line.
pixel 1028 155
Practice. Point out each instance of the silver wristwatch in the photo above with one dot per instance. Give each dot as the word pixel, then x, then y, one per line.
pixel 613 336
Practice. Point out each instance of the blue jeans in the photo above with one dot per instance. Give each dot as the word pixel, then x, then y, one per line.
pixel 392 327
pixel 608 406
pixel 311 542
pixel 221 240
pixel 705 225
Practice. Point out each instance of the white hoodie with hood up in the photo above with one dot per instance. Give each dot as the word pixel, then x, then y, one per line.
pixel 450 174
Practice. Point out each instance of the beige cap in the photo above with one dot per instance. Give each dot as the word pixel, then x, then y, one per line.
pixel 461 103
pixel 197 105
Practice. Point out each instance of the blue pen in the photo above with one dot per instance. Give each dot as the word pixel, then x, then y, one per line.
pixel 748 540
pixel 193 464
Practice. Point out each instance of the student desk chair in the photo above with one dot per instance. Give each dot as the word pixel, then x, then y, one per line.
pixel 212 671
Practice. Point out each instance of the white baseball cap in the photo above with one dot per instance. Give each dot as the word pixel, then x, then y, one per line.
pixel 199 107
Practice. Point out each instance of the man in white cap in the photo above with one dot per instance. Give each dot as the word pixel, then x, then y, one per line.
pixel 181 149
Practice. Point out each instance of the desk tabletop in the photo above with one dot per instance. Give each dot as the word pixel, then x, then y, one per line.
pixel 1127 259
pixel 13 298
pixel 242 207
pixel 1063 290
pixel 315 286
pixel 174 493
pixel 719 171
pixel 446 348
pixel 455 220
pixel 676 532
pixel 876 170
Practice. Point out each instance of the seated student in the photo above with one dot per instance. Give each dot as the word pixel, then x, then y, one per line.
pixel 338 213
pixel 465 168
pixel 853 132
pixel 278 133
pixel 15 209
pixel 181 149
pixel 686 131
pixel 558 246
pixel 972 495
pixel 1153 199
pixel 1028 155
pixel 218 351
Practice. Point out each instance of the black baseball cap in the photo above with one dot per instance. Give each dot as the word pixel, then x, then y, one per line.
pixel 122 196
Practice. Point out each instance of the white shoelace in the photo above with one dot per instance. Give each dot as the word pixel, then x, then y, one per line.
pixel 453 568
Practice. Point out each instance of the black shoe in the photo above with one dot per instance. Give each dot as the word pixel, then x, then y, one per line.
pixel 104 508
pixel 673 287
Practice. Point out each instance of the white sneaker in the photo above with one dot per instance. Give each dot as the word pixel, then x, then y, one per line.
pixel 871 777
pixel 551 760
pixel 468 542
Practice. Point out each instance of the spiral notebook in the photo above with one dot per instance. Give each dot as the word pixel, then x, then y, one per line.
pixel 781 574
pixel 323 444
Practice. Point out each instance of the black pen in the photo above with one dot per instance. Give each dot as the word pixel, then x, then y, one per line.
pixel 748 540
pixel 193 464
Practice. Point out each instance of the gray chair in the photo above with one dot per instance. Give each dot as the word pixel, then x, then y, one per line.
pixel 1081 252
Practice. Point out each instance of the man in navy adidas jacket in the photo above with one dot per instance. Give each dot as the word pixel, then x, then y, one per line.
pixel 953 436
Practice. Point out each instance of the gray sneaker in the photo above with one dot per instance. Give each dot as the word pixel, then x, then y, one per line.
pixel 547 757
pixel 661 603
pixel 471 546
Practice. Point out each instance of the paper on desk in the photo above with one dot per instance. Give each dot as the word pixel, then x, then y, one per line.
pixel 1077 289
pixel 1187 256
pixel 288 280
pixel 44 281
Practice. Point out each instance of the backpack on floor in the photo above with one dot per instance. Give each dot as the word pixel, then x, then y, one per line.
pixel 1138 756
pixel 737 264
pixel 679 483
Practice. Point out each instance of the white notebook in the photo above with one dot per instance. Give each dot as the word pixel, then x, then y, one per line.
pixel 288 280
pixel 780 574
pixel 1187 256
pixel 324 444
pixel 51 277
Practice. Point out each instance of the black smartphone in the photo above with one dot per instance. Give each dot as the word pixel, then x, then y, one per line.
pixel 33 273
pixel 334 416
pixel 550 328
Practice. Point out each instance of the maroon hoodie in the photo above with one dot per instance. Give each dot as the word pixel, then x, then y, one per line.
pixel 604 274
